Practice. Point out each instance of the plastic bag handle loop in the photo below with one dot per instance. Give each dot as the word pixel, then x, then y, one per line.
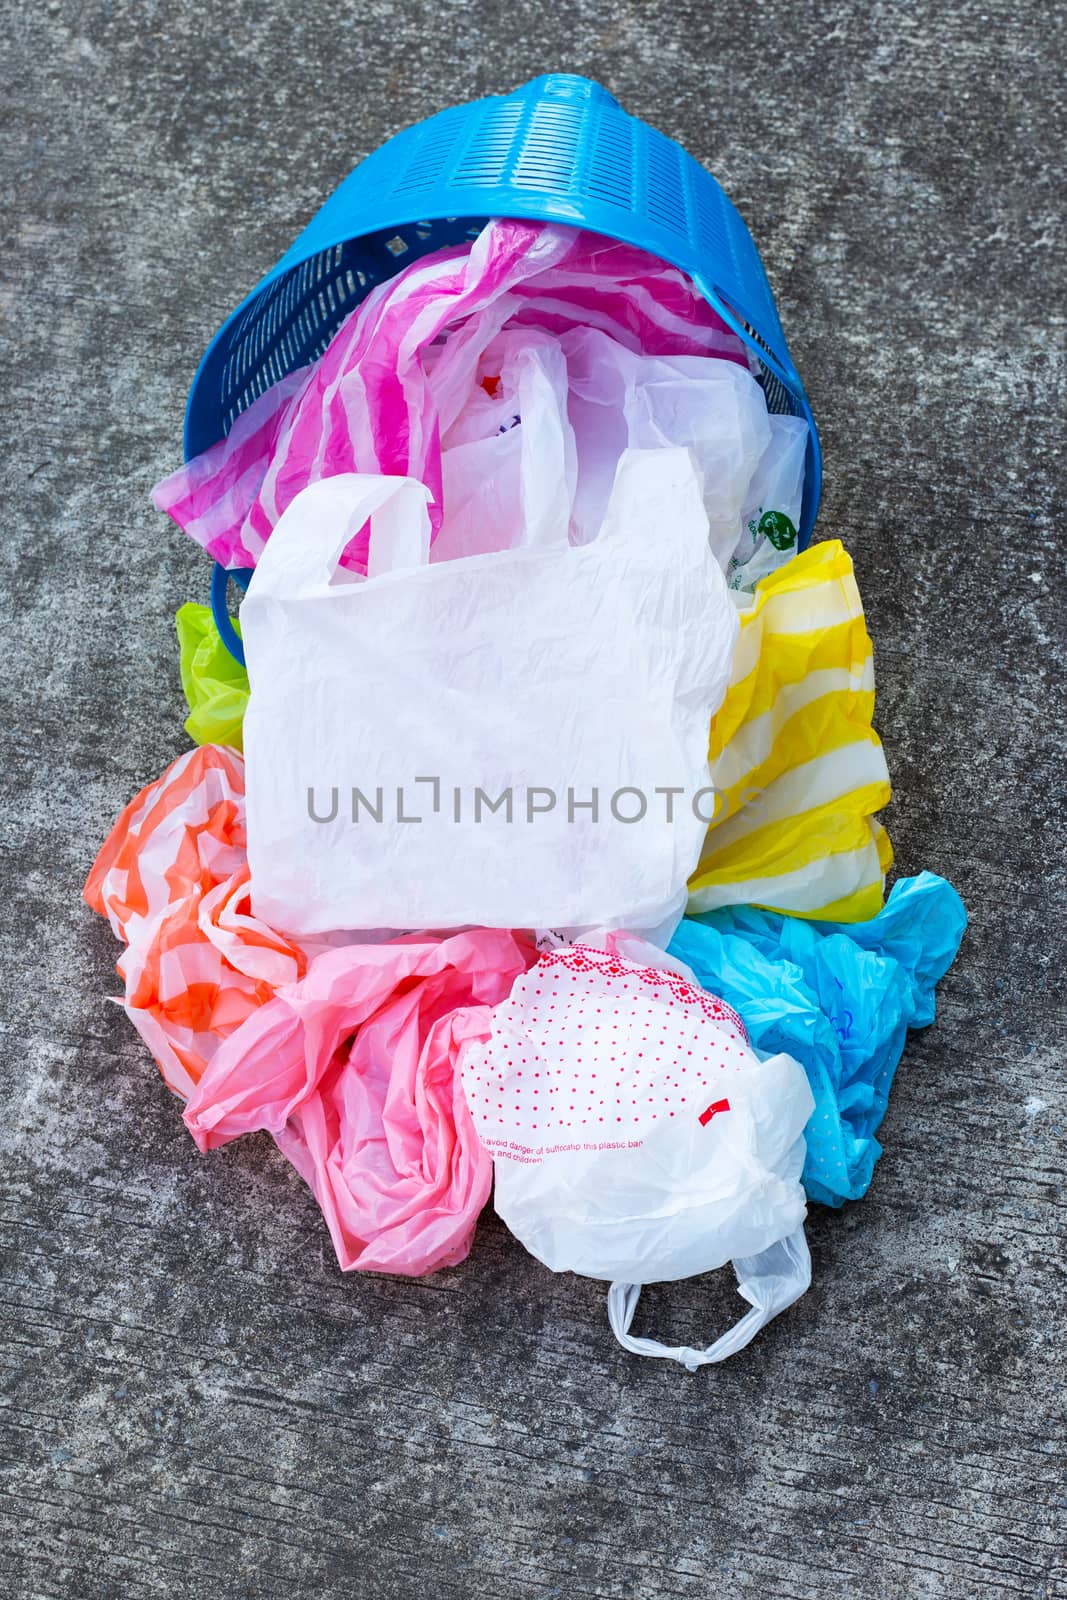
pixel 770 1282
pixel 301 556
pixel 403 526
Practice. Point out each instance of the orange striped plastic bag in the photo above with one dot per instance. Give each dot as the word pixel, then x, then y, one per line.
pixel 172 879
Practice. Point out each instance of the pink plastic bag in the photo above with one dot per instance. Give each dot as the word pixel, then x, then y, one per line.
pixel 353 1071
pixel 391 386
pixel 346 1053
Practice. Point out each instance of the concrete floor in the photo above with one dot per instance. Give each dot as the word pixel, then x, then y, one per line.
pixel 197 1403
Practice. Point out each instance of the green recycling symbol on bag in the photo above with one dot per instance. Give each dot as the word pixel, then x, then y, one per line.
pixel 775 526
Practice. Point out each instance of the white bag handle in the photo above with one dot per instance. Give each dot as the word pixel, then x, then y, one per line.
pixel 646 480
pixel 770 1282
pixel 300 557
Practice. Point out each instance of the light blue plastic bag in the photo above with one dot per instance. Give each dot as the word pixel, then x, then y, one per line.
pixel 837 997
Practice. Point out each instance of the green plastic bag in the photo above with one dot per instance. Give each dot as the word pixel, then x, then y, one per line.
pixel 214 684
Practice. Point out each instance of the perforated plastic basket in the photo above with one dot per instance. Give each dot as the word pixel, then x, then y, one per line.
pixel 558 149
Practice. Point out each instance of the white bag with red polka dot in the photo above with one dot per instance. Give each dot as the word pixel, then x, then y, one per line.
pixel 636 1137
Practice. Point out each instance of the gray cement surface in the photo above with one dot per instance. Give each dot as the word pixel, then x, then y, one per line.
pixel 196 1402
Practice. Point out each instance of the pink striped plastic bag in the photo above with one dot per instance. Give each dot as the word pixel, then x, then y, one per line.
pixel 391 387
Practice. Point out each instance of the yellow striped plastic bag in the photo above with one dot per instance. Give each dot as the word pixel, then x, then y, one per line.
pixel 798 769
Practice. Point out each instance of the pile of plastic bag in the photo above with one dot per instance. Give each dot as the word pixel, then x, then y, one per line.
pixel 537 843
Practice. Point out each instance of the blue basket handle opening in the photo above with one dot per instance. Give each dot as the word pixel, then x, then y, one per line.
pixel 220 583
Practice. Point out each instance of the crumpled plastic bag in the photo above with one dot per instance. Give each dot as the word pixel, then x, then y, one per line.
pixel 377 1125
pixel 799 769
pixel 745 458
pixel 635 1135
pixel 172 880
pixel 215 685
pixel 772 510
pixel 353 1072
pixel 571 687
pixel 838 998
pixel 508 460
pixel 184 832
pixel 390 388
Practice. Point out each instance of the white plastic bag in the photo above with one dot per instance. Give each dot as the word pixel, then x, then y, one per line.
pixel 771 1282
pixel 541 679
pixel 637 1138
pixel 714 408
pixel 508 460
pixel 771 516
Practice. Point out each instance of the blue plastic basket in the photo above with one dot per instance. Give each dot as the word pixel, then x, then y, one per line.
pixel 559 149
